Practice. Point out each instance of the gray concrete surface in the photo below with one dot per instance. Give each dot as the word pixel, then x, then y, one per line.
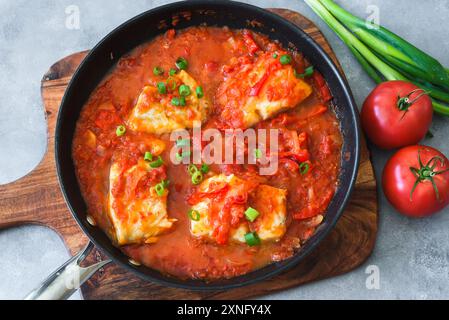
pixel 412 256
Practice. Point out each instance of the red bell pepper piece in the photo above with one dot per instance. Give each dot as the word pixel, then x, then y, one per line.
pixel 321 85
pixel 255 90
pixel 251 45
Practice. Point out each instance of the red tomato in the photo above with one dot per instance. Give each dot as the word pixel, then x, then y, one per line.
pixel 416 181
pixel 396 114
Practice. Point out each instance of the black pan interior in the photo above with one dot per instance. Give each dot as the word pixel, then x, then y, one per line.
pixel 145 27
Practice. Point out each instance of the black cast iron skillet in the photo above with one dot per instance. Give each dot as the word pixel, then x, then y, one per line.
pixel 142 29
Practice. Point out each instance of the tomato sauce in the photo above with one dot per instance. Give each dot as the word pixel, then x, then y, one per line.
pixel 310 151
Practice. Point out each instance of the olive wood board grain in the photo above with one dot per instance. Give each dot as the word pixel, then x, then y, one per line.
pixel 37 199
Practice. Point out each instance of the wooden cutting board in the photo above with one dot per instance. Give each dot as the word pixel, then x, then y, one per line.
pixel 37 199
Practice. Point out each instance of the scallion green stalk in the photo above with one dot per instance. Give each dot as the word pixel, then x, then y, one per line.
pixel 393 48
pixel 350 40
pixel 392 57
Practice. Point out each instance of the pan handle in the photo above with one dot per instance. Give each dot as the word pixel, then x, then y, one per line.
pixel 62 283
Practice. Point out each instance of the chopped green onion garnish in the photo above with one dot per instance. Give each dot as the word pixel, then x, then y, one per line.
pixel 182 101
pixel 285 59
pixel 172 72
pixel 192 169
pixel 275 56
pixel 182 142
pixel 182 64
pixel 158 71
pixel 199 92
pixel 148 156
pixel 197 178
pixel 251 214
pixel 184 90
pixel 257 153
pixel 304 168
pixel 171 83
pixel 160 188
pixel 121 130
pixel 157 163
pixel 161 88
pixel 194 215
pixel 176 101
pixel 252 239
pixel 205 168
pixel 307 73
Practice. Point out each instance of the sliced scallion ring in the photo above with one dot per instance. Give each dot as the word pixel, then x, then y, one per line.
pixel 161 88
pixel 182 64
pixel 251 214
pixel 184 90
pixel 192 169
pixel 252 239
pixel 285 59
pixel 158 71
pixel 304 168
pixel 121 130
pixel 176 102
pixel 205 168
pixel 182 101
pixel 199 92
pixel 307 73
pixel 157 163
pixel 194 215
pixel 166 183
pixel 171 83
pixel 197 178
pixel 160 189
pixel 148 156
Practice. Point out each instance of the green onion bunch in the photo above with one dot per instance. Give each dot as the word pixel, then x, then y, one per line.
pixel 386 56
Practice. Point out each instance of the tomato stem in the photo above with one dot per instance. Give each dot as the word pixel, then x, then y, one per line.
pixel 427 172
pixel 404 103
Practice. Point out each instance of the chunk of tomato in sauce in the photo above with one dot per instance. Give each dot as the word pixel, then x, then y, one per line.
pixel 106 119
pixel 211 66
pixel 322 87
pixel 170 34
pixel 294 146
pixel 315 205
pixel 251 45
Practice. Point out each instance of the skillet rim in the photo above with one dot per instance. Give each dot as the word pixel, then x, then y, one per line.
pixel 239 281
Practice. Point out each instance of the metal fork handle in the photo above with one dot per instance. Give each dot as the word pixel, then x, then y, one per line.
pixel 65 281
